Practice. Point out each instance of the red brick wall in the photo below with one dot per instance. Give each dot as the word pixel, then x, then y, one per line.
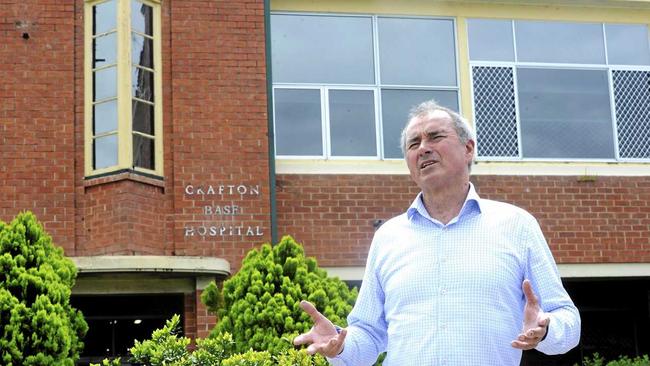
pixel 215 133
pixel 606 220
pixel 37 118
pixel 219 131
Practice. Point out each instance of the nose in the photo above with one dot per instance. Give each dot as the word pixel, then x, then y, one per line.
pixel 424 148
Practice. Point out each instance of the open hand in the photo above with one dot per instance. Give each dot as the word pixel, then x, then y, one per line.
pixel 535 321
pixel 323 337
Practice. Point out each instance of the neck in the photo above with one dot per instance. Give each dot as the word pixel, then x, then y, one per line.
pixel 445 203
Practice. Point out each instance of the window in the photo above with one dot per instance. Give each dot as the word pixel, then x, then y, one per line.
pixel 560 91
pixel 123 129
pixel 343 84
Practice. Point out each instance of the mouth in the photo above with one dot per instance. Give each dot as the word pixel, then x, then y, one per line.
pixel 427 163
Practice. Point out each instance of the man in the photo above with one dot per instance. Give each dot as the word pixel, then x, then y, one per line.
pixel 453 280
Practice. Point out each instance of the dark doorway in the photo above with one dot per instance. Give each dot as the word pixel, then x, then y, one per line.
pixel 116 321
pixel 613 312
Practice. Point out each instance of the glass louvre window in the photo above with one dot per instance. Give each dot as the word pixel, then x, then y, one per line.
pixel 343 85
pixel 571 91
pixel 123 126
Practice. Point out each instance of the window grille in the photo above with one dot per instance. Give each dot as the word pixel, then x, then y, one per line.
pixel 495 112
pixel 632 99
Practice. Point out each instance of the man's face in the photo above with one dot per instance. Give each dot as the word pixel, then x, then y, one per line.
pixel 434 154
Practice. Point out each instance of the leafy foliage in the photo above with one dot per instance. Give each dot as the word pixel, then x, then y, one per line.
pixel 37 324
pixel 167 348
pixel 259 305
pixel 598 360
pixel 107 362
pixel 264 358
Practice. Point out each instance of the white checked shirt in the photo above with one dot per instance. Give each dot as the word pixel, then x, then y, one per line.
pixel 436 294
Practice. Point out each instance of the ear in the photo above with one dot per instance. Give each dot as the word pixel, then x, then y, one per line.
pixel 470 146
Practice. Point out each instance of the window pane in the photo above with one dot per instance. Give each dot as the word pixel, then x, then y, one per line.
pixel 565 113
pixel 580 43
pixel 105 116
pixel 105 48
pixel 141 50
pixel 143 152
pixel 105 81
pixel 352 123
pixel 105 149
pixel 142 84
pixel 298 126
pixel 143 117
pixel 322 49
pixel 417 51
pixel 627 44
pixel 142 18
pixel 105 17
pixel 490 40
pixel 396 105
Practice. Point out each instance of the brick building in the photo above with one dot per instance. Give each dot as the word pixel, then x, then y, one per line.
pixel 159 141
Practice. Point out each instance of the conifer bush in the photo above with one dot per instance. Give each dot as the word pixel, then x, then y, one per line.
pixel 259 305
pixel 37 324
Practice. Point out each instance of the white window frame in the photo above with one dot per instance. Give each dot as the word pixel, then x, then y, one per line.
pixel 514 65
pixel 376 87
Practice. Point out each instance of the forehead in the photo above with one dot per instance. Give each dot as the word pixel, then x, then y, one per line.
pixel 436 120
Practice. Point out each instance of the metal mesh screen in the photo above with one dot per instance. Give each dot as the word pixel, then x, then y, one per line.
pixel 632 100
pixel 495 112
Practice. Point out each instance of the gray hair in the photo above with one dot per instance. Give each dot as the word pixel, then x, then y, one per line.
pixel 460 124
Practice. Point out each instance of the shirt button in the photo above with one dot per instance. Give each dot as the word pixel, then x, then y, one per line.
pixel 443 327
pixel 443 291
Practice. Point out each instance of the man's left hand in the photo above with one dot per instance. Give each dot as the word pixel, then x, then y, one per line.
pixel 535 321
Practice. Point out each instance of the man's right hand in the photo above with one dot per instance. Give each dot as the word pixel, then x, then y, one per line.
pixel 323 337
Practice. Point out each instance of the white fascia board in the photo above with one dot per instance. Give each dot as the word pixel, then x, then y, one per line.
pixel 152 263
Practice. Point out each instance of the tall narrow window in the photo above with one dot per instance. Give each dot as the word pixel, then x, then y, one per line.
pixel 123 107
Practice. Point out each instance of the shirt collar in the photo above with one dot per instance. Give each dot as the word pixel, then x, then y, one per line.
pixel 472 203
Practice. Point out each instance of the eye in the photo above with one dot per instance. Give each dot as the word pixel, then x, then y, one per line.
pixel 413 145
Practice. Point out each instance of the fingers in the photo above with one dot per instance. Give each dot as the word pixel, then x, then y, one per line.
pixel 531 299
pixel 531 338
pixel 522 345
pixel 544 321
pixel 331 348
pixel 303 339
pixel 311 310
pixel 527 341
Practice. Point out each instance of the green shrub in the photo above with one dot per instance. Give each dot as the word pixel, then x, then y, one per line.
pixel 598 360
pixel 107 362
pixel 167 348
pixel 259 305
pixel 300 358
pixel 37 324
pixel 290 357
pixel 164 348
pixel 250 358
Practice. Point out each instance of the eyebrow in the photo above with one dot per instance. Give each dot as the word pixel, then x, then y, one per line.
pixel 428 133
